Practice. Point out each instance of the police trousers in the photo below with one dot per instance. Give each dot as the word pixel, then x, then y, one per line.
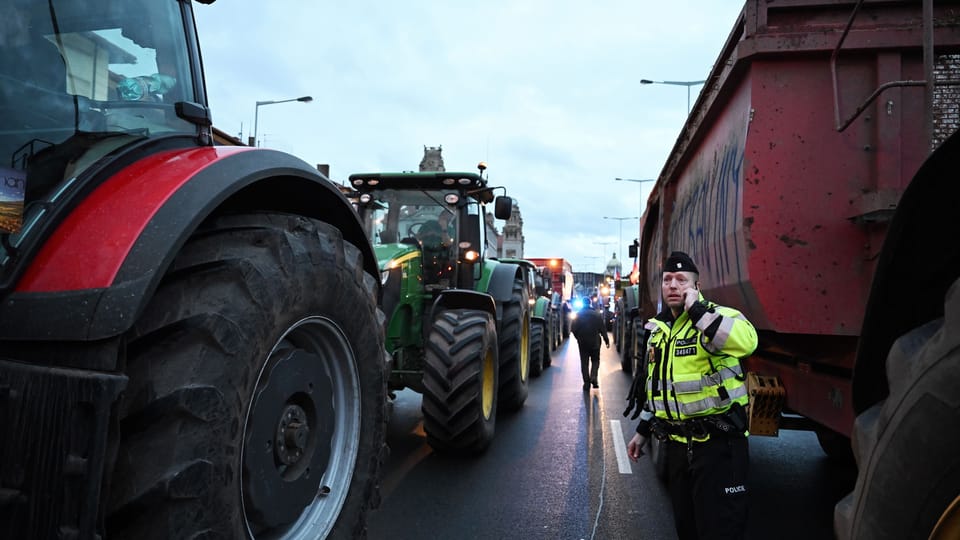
pixel 707 482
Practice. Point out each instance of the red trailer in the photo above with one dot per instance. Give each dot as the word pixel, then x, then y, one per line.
pixel 803 185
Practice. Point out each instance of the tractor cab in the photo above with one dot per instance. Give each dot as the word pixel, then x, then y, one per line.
pixel 437 217
pixel 81 83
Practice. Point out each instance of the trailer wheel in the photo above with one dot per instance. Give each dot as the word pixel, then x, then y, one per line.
pixel 834 445
pixel 460 382
pixel 555 329
pixel 514 339
pixel 257 395
pixel 906 446
pixel 638 362
pixel 618 334
pixel 629 343
pixel 537 346
pixel 547 359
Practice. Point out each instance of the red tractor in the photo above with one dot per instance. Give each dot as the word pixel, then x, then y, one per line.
pixel 190 344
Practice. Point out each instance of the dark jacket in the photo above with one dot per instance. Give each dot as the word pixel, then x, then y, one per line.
pixel 588 328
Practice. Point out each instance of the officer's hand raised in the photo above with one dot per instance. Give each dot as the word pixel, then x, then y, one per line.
pixel 690 297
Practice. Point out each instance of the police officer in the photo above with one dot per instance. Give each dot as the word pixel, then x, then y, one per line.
pixel 693 398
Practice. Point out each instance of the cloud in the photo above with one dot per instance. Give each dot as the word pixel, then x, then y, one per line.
pixel 547 93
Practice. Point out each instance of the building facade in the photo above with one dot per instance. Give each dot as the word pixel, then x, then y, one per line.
pixel 513 234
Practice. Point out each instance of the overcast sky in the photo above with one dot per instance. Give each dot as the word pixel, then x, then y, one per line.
pixel 547 93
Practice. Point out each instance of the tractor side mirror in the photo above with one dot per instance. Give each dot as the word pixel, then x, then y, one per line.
pixel 502 207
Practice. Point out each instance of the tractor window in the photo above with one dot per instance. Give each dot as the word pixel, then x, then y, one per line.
pixel 79 79
pixel 405 215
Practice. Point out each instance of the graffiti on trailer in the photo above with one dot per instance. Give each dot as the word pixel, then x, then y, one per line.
pixel 706 216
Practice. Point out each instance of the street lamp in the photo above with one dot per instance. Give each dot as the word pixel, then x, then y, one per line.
pixel 621 219
pixel 688 84
pixel 256 113
pixel 641 182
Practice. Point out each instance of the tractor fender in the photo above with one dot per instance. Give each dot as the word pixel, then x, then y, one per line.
pixel 98 268
pixel 540 309
pixel 500 285
pixel 464 299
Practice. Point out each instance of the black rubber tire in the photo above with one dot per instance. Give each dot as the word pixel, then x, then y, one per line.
pixel 638 364
pixel 556 331
pixel 245 296
pixel 835 446
pixel 537 346
pixel 460 382
pixel 514 336
pixel 629 343
pixel 618 330
pixel 906 446
pixel 547 358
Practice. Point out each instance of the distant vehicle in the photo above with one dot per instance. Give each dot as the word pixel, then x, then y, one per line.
pixel 542 315
pixel 804 186
pixel 559 272
pixel 458 320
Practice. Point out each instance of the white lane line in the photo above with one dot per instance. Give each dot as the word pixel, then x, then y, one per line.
pixel 620 447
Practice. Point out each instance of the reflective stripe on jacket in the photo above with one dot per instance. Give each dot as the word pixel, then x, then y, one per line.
pixel 693 367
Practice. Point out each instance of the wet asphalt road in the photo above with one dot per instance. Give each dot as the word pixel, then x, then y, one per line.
pixel 553 472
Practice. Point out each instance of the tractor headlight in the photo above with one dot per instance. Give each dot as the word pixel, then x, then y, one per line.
pixel 384 276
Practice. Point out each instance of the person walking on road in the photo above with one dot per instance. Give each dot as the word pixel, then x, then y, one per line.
pixel 589 328
pixel 693 398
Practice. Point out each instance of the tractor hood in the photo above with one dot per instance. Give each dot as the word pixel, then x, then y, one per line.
pixel 390 255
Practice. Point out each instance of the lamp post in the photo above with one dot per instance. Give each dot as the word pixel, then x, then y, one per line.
pixel 256 113
pixel 688 84
pixel 640 233
pixel 641 182
pixel 621 220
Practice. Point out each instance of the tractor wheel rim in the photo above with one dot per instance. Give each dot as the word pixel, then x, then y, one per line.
pixel 488 384
pixel 334 425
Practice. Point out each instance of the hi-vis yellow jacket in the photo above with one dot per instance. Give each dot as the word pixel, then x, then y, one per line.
pixel 693 362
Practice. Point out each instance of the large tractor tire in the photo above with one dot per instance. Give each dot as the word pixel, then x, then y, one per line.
pixel 538 344
pixel 618 329
pixel 639 359
pixel 906 446
pixel 460 382
pixel 256 405
pixel 629 343
pixel 547 358
pixel 555 331
pixel 514 339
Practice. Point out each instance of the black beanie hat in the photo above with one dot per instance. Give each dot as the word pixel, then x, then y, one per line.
pixel 679 261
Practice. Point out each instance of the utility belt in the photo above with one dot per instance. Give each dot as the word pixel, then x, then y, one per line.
pixel 732 422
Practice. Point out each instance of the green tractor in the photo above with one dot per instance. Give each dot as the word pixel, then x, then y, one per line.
pixel 541 324
pixel 459 320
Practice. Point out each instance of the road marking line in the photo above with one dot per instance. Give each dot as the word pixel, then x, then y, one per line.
pixel 620 447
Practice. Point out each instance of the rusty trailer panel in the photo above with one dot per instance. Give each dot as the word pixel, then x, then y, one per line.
pixel 784 214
